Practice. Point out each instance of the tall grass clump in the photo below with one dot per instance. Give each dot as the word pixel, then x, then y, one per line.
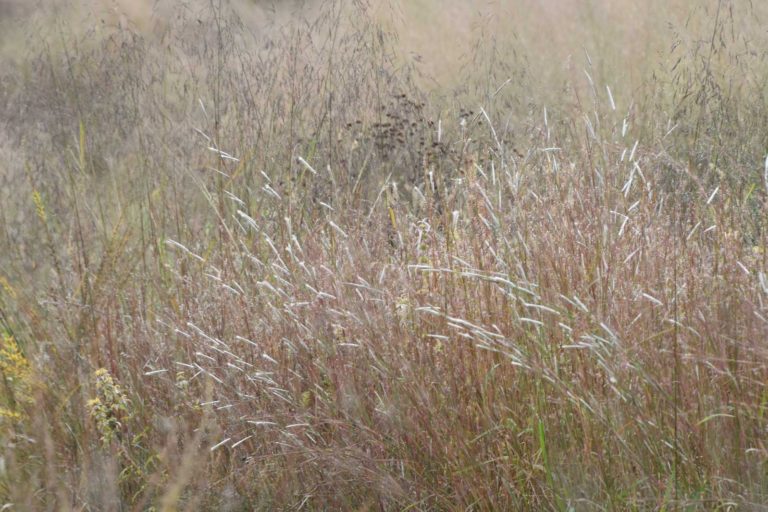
pixel 275 261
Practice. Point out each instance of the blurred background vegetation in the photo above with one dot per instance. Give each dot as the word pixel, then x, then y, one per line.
pixel 383 255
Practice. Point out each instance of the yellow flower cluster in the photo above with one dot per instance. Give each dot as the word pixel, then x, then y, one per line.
pixel 108 407
pixel 7 288
pixel 16 372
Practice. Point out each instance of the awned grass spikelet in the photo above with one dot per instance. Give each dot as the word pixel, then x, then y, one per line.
pixel 37 198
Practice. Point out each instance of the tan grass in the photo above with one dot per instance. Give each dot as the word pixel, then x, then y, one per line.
pixel 300 269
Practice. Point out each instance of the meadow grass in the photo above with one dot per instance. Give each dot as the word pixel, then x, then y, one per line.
pixel 337 259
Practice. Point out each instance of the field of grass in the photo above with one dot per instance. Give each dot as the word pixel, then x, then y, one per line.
pixel 384 255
